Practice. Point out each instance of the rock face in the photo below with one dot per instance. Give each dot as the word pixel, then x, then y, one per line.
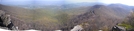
pixel 10 22
pixel 5 20
pixel 77 28
pixel 118 28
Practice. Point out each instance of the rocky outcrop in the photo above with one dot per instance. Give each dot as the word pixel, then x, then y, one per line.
pixel 118 28
pixel 77 28
pixel 5 21
pixel 12 23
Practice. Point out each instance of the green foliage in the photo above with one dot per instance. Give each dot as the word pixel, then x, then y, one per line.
pixel 127 26
pixel 62 17
pixel 128 23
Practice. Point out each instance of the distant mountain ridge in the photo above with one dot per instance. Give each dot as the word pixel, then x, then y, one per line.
pixel 101 17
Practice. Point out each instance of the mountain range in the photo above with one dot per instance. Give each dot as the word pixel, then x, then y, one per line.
pixel 98 16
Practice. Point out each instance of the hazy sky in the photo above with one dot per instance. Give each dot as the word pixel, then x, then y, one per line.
pixel 16 2
pixel 127 2
pixel 54 2
pixel 79 1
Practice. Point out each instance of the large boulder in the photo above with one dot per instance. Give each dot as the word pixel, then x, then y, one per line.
pixel 118 28
pixel 5 21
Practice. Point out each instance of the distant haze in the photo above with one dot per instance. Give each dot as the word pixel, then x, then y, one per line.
pixel 16 2
pixel 80 1
pixel 60 2
pixel 126 2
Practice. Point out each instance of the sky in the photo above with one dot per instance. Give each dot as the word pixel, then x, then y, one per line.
pixel 57 2
pixel 16 2
pixel 79 1
pixel 126 2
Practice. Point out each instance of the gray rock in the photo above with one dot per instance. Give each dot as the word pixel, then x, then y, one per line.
pixel 122 28
pixel 77 28
pixel 5 20
pixel 118 28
